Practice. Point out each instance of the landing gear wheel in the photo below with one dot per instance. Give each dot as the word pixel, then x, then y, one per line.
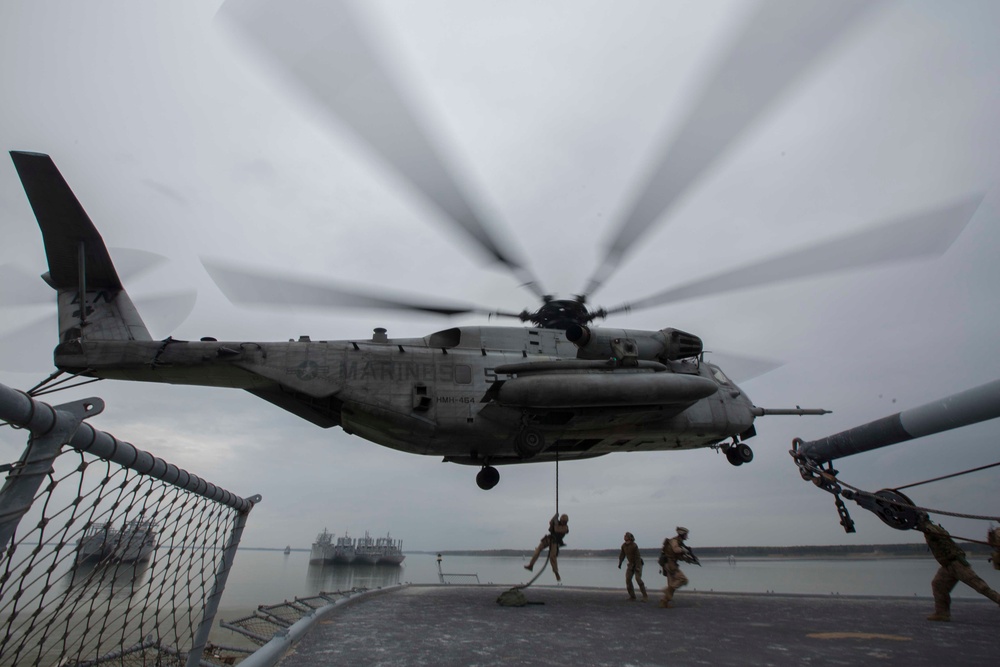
pixel 732 457
pixel 529 443
pixel 743 452
pixel 487 478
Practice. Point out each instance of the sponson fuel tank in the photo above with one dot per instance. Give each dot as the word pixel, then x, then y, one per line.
pixel 591 390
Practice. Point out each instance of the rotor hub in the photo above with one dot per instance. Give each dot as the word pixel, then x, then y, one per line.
pixel 561 314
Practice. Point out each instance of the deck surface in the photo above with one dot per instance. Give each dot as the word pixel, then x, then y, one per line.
pixel 463 625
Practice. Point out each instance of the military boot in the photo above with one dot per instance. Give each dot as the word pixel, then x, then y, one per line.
pixel 940 616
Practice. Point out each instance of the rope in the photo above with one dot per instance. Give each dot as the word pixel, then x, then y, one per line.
pixel 548 553
pixel 542 569
pixel 817 473
pixel 969 539
pixel 928 510
pixel 954 474
pixel 557 483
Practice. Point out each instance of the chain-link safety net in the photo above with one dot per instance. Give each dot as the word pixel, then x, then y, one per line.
pixel 109 566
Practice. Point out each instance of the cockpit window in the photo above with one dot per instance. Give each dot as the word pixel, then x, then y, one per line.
pixel 720 376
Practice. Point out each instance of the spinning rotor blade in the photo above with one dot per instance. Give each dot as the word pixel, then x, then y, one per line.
pixel 927 234
pixel 163 313
pixel 323 47
pixel 776 48
pixel 741 368
pixel 132 262
pixel 20 288
pixel 28 348
pixel 248 287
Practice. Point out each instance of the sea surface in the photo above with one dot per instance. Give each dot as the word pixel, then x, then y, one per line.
pixel 268 577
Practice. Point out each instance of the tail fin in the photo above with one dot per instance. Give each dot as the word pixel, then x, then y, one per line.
pixel 80 268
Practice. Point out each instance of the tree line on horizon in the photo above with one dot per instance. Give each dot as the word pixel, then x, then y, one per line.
pixel 801 551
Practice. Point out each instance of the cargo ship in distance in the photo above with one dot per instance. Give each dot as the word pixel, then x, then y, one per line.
pixel 346 550
pixel 390 551
pixel 325 550
pixel 322 548
pixel 132 543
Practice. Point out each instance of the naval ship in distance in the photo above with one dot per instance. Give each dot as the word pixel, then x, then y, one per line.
pixel 132 543
pixel 345 550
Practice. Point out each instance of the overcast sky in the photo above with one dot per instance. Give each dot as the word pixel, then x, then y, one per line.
pixel 179 140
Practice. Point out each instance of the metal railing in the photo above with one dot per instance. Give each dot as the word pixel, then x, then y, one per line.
pixel 108 554
pixel 444 576
pixel 276 628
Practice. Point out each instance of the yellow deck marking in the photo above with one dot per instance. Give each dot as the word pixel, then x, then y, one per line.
pixel 858 635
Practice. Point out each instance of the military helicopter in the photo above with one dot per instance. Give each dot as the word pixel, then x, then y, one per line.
pixel 559 389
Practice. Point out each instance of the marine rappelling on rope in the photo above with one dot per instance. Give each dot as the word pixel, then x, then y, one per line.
pixel 552 541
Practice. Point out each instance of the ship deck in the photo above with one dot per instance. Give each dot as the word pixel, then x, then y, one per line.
pixel 463 625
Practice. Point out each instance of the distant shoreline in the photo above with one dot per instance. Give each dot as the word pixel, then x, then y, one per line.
pixel 845 551
pixel 851 551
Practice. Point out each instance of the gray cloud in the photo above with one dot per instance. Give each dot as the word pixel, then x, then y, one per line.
pixel 551 112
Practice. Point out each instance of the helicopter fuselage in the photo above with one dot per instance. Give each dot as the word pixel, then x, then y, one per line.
pixel 473 395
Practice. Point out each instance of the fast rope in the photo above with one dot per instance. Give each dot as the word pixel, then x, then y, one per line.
pixel 540 570
pixel 557 483
pixel 514 597
pixel 548 552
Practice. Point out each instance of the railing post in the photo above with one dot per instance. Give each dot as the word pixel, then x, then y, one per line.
pixel 218 586
pixel 50 430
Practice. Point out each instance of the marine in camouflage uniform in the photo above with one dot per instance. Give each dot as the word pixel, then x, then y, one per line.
pixel 954 568
pixel 993 537
pixel 673 551
pixel 630 551
pixel 558 528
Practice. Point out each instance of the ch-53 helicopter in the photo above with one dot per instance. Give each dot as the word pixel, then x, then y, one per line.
pixel 562 389
pixel 557 390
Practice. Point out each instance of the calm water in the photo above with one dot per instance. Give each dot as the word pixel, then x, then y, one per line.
pixel 266 577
